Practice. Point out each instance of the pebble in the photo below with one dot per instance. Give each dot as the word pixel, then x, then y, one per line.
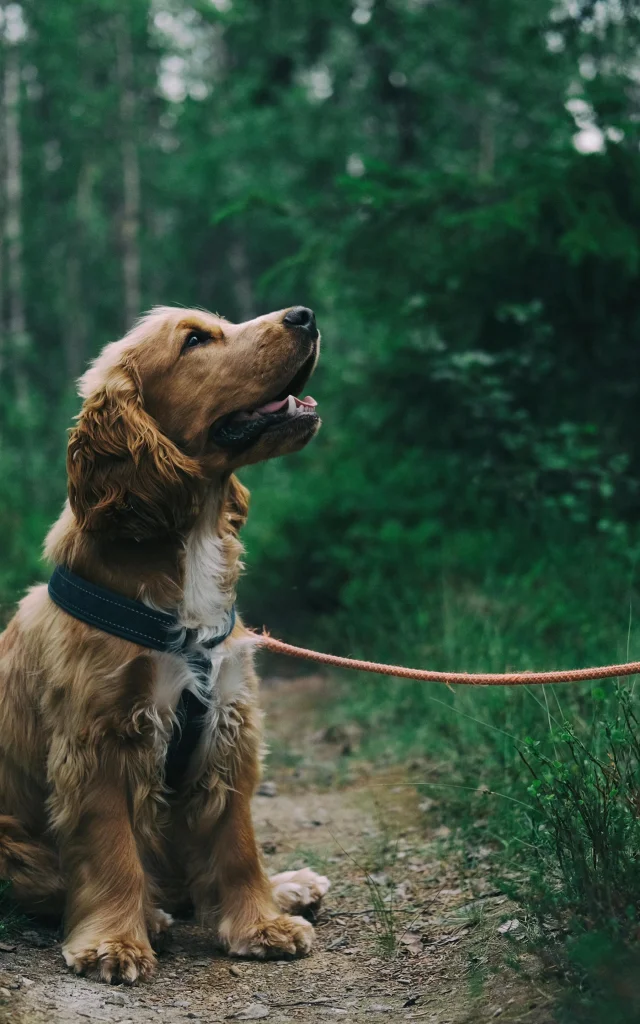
pixel 235 971
pixel 254 1011
pixel 267 788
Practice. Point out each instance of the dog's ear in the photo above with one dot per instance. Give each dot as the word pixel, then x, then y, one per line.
pixel 125 477
pixel 236 504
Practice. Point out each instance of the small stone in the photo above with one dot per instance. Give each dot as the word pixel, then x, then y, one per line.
pixel 379 878
pixel 27 982
pixel 235 971
pixel 6 948
pixel 5 993
pixel 267 788
pixel 116 1000
pixel 254 1011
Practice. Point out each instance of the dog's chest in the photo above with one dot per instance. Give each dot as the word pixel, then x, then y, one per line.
pixel 220 678
pixel 223 682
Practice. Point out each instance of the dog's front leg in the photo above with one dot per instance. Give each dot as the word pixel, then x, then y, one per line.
pixel 105 928
pixel 228 883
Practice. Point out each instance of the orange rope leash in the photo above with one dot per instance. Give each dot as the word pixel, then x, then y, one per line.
pixel 572 675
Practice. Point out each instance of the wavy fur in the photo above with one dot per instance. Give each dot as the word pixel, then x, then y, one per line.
pixel 87 826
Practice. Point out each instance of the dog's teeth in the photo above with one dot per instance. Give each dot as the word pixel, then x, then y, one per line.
pixel 291 405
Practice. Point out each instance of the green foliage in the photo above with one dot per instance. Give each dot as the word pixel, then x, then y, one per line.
pixel 583 848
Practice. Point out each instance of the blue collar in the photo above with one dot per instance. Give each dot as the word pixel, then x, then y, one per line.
pixel 160 631
pixel 123 617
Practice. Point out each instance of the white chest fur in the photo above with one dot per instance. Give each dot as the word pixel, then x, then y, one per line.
pixel 210 570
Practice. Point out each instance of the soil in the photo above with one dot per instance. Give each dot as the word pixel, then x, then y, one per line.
pixel 407 932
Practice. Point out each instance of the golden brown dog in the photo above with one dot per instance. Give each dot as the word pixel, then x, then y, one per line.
pixel 88 826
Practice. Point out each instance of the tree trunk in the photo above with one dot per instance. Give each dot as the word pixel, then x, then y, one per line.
pixel 243 290
pixel 13 185
pixel 16 322
pixel 2 219
pixel 130 174
pixel 76 328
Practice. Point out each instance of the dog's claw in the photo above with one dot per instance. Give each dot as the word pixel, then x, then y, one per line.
pixel 115 960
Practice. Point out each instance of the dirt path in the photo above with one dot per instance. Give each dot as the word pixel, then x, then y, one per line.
pixel 407 933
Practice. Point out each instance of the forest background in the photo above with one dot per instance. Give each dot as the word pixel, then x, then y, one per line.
pixel 454 187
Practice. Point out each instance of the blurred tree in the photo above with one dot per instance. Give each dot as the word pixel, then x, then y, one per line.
pixel 453 186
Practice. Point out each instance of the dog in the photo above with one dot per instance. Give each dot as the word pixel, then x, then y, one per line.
pixel 91 825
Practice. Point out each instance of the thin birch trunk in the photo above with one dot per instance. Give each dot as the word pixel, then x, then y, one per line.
pixel 76 328
pixel 130 174
pixel 243 290
pixel 16 332
pixel 487 145
pixel 2 215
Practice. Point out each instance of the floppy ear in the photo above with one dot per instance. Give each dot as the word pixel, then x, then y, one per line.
pixel 125 477
pixel 236 504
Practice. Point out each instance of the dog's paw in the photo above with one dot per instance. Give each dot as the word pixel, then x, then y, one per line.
pixel 115 960
pixel 158 925
pixel 280 937
pixel 297 892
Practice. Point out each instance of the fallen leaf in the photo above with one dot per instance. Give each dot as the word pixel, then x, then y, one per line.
pixel 5 948
pixel 412 941
pixel 509 926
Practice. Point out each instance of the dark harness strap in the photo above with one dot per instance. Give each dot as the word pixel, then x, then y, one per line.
pixel 160 631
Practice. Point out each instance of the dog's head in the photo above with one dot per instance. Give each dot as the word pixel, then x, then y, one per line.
pixel 185 398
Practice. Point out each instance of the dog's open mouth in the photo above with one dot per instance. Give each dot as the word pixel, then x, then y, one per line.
pixel 239 429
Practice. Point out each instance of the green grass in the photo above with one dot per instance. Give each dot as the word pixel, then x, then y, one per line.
pixel 554 771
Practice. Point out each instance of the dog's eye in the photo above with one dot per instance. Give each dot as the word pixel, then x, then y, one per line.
pixel 195 338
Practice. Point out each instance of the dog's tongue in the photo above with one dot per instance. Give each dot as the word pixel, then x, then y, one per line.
pixel 291 401
pixel 289 404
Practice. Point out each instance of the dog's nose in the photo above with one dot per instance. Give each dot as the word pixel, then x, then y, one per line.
pixel 300 316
